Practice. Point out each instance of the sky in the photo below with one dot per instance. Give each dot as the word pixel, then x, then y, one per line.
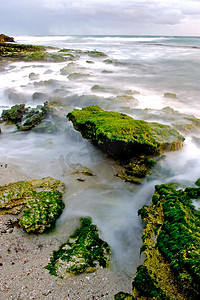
pixel 100 17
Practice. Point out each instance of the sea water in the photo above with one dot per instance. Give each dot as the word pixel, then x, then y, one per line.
pixel 144 67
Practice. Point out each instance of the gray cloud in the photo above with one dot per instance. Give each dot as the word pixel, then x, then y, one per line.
pixel 97 16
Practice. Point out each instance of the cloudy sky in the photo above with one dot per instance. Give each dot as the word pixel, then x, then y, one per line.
pixel 101 17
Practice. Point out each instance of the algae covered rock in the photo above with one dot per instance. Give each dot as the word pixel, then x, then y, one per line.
pixel 171 243
pixel 40 200
pixel 84 252
pixel 14 114
pixel 132 142
pixel 123 137
pixel 25 118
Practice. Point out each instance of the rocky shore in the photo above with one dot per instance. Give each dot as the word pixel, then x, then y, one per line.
pixel 36 261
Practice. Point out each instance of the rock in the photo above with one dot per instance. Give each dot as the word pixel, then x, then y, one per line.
pixel 40 96
pixel 132 142
pixel 84 252
pixel 33 76
pixel 171 240
pixel 33 117
pixel 77 76
pixel 6 39
pixel 95 53
pixel 170 95
pixel 79 169
pixel 13 115
pixel 41 201
pixel 45 127
pixel 123 137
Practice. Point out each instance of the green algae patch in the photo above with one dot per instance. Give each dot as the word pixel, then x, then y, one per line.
pixel 39 199
pixel 84 252
pixel 171 243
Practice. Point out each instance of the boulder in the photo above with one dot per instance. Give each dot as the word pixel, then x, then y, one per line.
pixel 171 240
pixel 123 137
pixel 132 142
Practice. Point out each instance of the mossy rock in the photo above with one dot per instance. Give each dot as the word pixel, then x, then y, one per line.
pixel 84 252
pixel 123 137
pixel 170 95
pixel 95 53
pixel 40 200
pixel 171 240
pixel 14 114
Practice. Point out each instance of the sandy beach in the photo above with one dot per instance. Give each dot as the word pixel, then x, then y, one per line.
pixel 23 258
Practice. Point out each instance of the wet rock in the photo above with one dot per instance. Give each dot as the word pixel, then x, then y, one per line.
pixel 84 252
pixel 171 245
pixel 123 137
pixel 32 117
pixel 79 169
pixel 13 115
pixel 6 39
pixel 40 96
pixel 41 201
pixel 170 95
pixel 47 83
pixel 95 53
pixel 77 76
pixel 45 127
pixel 132 142
pixel 33 76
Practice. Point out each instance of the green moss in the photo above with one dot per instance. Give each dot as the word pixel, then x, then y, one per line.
pixel 41 200
pixel 82 253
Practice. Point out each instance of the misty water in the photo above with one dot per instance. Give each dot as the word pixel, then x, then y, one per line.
pixel 132 79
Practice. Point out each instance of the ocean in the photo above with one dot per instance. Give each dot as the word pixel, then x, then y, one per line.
pixel 133 78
